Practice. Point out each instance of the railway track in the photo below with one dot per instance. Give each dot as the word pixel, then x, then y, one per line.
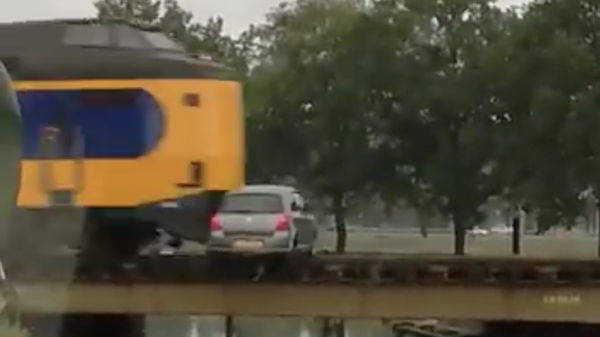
pixel 321 269
pixel 327 285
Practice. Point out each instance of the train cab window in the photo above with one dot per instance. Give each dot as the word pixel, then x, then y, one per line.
pixel 11 65
pixel 160 41
pixel 127 37
pixel 87 35
pixel 8 99
pixel 130 38
pixel 116 124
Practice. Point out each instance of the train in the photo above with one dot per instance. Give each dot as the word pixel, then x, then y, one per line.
pixel 10 145
pixel 123 134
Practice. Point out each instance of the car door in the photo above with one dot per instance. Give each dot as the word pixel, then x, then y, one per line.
pixel 302 220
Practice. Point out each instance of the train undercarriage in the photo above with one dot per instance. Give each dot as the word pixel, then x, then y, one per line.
pixel 97 237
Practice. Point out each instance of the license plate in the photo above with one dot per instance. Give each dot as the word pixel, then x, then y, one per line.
pixel 247 244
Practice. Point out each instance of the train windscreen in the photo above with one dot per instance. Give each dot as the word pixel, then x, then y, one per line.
pixel 115 124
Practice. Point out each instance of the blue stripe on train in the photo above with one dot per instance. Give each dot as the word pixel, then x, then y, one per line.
pixel 118 124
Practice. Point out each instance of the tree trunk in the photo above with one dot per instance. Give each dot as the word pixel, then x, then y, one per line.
pixel 388 210
pixel 339 216
pixel 516 234
pixel 598 233
pixel 460 223
pixel 424 222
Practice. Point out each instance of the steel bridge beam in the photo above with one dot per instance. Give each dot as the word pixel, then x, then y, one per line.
pixel 451 302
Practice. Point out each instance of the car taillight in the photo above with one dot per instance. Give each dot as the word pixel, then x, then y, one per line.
pixel 282 223
pixel 215 224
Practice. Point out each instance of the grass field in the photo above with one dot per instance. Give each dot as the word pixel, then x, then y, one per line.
pixel 565 245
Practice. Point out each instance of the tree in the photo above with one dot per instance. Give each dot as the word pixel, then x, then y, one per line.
pixel 572 47
pixel 179 24
pixel 451 120
pixel 142 12
pixel 547 111
pixel 391 74
pixel 314 102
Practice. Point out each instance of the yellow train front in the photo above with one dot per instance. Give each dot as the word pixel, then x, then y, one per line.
pixel 123 133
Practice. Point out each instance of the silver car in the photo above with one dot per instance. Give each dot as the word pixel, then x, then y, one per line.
pixel 259 219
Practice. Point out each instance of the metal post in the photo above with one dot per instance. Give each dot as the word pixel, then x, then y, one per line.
pixel 229 328
pixel 339 328
pixel 326 328
pixel 516 234
pixel 598 231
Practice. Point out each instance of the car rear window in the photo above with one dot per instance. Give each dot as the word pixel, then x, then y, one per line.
pixel 252 203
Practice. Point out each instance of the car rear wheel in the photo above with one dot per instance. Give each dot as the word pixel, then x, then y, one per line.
pixel 304 251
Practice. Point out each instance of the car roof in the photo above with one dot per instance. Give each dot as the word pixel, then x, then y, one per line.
pixel 280 189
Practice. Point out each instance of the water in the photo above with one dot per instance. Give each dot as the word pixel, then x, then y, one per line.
pixel 182 326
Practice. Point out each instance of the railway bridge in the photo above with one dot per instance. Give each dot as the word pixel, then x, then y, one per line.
pixel 379 286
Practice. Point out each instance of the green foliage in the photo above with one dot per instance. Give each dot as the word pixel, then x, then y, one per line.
pixel 314 112
pixel 142 12
pixel 549 113
pixel 439 104
pixel 178 23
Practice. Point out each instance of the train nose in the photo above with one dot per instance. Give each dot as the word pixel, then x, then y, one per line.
pixel 10 152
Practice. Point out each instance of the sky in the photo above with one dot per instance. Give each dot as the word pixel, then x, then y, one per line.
pixel 238 14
